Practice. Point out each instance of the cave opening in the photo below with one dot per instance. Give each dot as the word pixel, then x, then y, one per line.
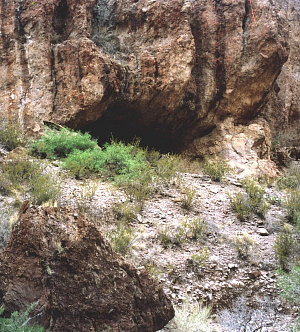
pixel 126 127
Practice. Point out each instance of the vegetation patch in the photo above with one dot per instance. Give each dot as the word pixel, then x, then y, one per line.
pixel 18 322
pixel 215 169
pixel 11 135
pixel 28 178
pixel 253 202
pixel 191 317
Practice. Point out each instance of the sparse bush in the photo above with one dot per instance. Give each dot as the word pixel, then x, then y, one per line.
pixel 200 258
pixel 289 285
pixel 284 246
pixel 292 205
pixel 287 182
pixel 11 135
pixel 253 202
pixel 167 167
pixel 256 197
pixel 241 206
pixel 176 236
pixel 7 219
pixel 125 211
pixel 215 169
pixel 121 239
pixel 188 198
pixel 60 143
pixel 191 317
pixel 28 177
pixel 44 188
pixel 188 229
pixel 243 245
pixel 18 322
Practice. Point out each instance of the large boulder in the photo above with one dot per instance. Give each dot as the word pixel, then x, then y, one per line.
pixel 58 258
pixel 169 71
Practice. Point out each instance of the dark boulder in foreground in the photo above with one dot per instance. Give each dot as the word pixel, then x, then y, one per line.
pixel 58 258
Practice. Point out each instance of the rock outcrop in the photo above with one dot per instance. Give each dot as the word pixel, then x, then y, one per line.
pixel 59 259
pixel 173 70
pixel 282 109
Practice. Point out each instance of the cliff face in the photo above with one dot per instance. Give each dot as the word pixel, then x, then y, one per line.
pixel 173 70
pixel 283 107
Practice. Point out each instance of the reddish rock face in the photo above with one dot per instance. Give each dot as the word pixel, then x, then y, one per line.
pixel 282 108
pixel 176 68
pixel 59 259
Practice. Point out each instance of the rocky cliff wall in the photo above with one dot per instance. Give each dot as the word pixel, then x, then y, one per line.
pixel 172 69
pixel 283 107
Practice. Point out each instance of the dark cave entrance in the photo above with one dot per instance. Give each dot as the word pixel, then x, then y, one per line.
pixel 126 127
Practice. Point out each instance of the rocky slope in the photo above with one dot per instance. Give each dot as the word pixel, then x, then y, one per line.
pixel 168 71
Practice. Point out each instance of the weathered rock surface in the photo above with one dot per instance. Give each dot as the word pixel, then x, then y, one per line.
pixel 283 107
pixel 171 70
pixel 61 260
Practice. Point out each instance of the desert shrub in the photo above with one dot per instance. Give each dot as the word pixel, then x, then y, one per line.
pixel 256 197
pixel 240 204
pixel 7 219
pixel 215 169
pixel 292 205
pixel 243 245
pixel 167 167
pixel 125 211
pixel 188 198
pixel 284 246
pixel 121 239
pixel 289 285
pixel 44 188
pixel 82 163
pixel 18 322
pixel 195 229
pixel 201 257
pixel 123 160
pixel 191 317
pixel 60 143
pixel 28 177
pixel 287 182
pixel 11 135
pixel 253 202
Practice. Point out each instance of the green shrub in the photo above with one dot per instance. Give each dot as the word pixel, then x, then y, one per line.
pixel 18 322
pixel 191 317
pixel 284 246
pixel 287 182
pixel 256 197
pixel 188 198
pixel 240 204
pixel 123 160
pixel 243 245
pixel 289 285
pixel 253 202
pixel 60 143
pixel 82 163
pixel 292 205
pixel 11 135
pixel 215 169
pixel 200 258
